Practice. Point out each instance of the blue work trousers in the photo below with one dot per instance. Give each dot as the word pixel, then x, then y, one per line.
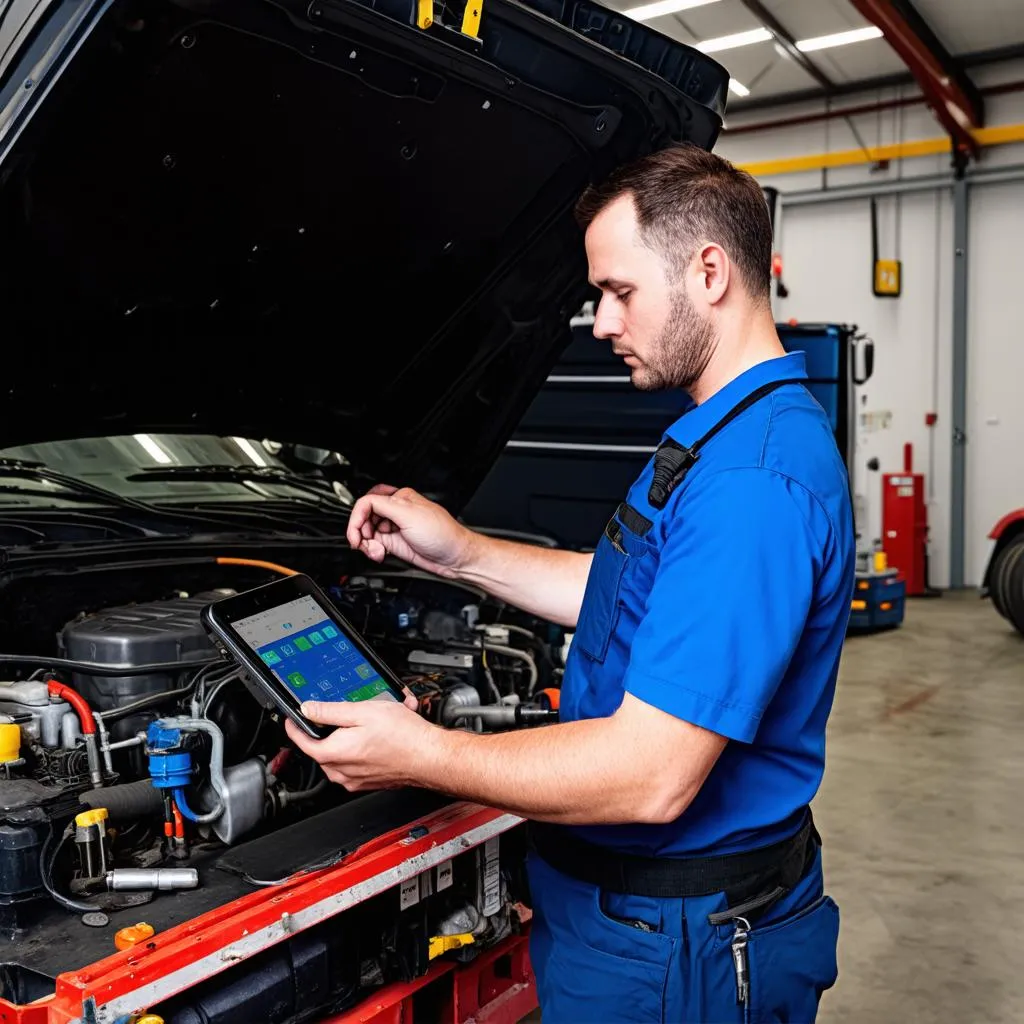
pixel 596 962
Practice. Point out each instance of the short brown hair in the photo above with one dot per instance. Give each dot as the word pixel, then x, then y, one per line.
pixel 685 196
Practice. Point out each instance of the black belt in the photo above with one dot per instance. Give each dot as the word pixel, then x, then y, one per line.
pixel 737 874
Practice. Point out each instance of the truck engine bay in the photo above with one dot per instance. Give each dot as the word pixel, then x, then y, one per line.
pixel 142 783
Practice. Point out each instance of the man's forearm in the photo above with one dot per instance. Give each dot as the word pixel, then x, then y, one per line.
pixel 554 774
pixel 545 582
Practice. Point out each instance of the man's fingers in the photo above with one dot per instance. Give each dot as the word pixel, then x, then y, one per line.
pixel 336 712
pixel 385 489
pixel 374 550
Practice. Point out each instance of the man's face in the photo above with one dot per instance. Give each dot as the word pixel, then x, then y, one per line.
pixel 645 311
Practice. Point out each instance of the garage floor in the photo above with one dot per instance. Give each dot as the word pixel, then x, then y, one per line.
pixel 923 820
pixel 921 814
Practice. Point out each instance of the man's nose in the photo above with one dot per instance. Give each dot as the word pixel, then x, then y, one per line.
pixel 606 324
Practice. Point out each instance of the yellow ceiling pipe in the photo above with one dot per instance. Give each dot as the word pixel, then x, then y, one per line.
pixel 998 135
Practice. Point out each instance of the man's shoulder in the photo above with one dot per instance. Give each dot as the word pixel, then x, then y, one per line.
pixel 782 446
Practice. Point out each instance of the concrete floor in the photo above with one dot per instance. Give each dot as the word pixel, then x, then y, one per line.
pixel 921 815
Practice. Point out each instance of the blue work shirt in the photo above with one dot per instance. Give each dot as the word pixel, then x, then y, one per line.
pixel 728 609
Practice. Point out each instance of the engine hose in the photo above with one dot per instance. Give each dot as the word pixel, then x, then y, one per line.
pixel 217 780
pixel 186 811
pixel 126 801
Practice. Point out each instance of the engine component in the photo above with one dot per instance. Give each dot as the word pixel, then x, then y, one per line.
pixel 27 809
pixel 243 800
pixel 233 802
pixel 10 743
pixel 91 842
pixel 146 879
pixel 127 802
pixel 142 634
pixel 505 715
pixel 216 766
pixel 88 726
pixel 456 703
pixel 46 717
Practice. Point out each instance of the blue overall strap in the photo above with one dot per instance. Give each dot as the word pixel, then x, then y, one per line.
pixel 672 460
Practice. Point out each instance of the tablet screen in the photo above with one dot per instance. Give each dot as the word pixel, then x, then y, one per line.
pixel 310 654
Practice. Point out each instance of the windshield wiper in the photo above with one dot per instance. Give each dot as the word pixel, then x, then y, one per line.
pixel 244 474
pixel 39 472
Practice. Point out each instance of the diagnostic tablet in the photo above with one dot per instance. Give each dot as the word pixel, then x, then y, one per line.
pixel 296 646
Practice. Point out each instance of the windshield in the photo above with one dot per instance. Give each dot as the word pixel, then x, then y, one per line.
pixel 156 468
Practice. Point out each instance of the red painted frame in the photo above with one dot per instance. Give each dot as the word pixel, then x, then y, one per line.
pixel 1011 517
pixel 123 973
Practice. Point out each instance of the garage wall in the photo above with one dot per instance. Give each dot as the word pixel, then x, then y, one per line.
pixel 995 370
pixel 826 251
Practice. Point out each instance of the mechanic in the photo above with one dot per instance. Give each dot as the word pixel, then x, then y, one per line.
pixel 675 872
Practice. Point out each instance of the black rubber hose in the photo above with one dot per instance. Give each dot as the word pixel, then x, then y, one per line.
pixel 127 801
pixel 95 668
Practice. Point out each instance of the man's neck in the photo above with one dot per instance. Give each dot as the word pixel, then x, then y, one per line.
pixel 746 338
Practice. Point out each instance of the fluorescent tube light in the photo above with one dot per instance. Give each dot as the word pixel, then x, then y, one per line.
pixel 857 35
pixel 645 12
pixel 738 88
pixel 756 35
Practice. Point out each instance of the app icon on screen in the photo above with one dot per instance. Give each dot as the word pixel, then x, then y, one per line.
pixel 317 637
pixel 330 632
pixel 297 679
pixel 270 657
pixel 302 643
pixel 365 671
pixel 325 685
pixel 287 650
pixel 341 646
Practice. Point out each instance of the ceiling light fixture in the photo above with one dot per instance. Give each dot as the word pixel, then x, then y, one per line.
pixel 757 35
pixel 738 88
pixel 645 12
pixel 857 35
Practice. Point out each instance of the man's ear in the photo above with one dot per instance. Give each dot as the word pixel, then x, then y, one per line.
pixel 715 271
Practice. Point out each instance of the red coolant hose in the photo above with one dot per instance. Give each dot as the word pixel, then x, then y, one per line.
pixel 77 701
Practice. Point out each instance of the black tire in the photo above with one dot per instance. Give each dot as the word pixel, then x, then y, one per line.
pixel 1002 570
pixel 1013 590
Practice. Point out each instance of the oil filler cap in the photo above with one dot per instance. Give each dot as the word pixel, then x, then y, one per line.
pixel 133 934
pixel 92 817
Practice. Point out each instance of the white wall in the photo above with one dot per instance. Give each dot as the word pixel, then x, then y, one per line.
pixel 826 250
pixel 995 367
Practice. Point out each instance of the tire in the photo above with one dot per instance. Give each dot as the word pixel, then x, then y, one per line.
pixel 1006 562
pixel 1013 589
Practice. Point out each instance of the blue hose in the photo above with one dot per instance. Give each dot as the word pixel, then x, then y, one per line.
pixel 187 812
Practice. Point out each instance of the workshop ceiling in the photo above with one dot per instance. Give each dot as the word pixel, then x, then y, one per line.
pixel 763 66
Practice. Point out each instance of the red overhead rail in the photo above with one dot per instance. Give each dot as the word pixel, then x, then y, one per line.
pixel 957 103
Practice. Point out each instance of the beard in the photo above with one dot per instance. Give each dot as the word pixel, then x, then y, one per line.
pixel 681 352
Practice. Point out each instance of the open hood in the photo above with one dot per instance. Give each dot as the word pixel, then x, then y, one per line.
pixel 312 221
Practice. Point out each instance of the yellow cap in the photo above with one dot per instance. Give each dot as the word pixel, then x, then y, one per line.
pixel 150 1018
pixel 93 817
pixel 10 742
pixel 134 933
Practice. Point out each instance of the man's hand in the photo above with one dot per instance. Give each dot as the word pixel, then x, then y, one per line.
pixel 377 745
pixel 401 522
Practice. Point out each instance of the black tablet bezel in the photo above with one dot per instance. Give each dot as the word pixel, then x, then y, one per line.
pixel 218 619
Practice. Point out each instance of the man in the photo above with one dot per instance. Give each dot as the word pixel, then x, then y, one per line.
pixel 676 873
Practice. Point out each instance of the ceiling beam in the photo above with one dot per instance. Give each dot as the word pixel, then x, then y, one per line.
pixel 974 59
pixel 786 40
pixel 948 90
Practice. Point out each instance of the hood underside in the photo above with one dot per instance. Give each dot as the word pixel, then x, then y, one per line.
pixel 312 222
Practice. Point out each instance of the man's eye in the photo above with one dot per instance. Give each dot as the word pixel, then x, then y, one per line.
pixel 624 296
